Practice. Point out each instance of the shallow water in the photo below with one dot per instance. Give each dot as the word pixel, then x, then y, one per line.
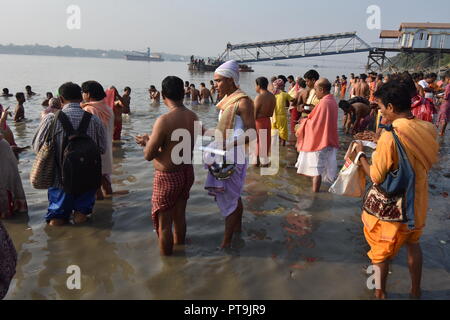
pixel 294 245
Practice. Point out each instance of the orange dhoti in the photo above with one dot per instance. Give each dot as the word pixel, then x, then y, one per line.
pixel 263 130
pixel 386 238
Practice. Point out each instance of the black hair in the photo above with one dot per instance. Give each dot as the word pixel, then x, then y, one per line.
pixel 70 91
pixel 380 76
pixel 192 85
pixel 395 93
pixel 291 77
pixel 49 94
pixel 344 105
pixel 127 89
pixel 5 90
pixel 302 83
pixel 433 75
pixel 211 82
pixel 94 89
pixel 406 79
pixel 203 84
pixel 20 94
pixel 173 88
pixel 28 87
pixel 363 76
pixel 312 75
pixel 152 87
pixel 358 99
pixel 262 82
pixel 285 80
pixel 186 83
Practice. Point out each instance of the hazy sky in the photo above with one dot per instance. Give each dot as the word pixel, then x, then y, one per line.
pixel 200 27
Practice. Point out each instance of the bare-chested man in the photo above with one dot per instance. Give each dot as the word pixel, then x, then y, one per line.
pixel 172 182
pixel 125 100
pixel 195 95
pixel 187 90
pixel 363 89
pixel 205 94
pixel 155 96
pixel 358 112
pixel 19 114
pixel 6 93
pixel 29 92
pixel 265 104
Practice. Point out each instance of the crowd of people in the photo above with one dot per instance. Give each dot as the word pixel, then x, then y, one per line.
pixel 85 120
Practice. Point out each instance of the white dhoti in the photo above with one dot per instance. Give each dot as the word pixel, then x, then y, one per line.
pixel 318 163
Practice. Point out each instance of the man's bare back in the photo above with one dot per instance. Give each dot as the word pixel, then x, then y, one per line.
pixel 195 94
pixel 205 95
pixel 361 109
pixel 177 118
pixel 265 104
pixel 363 90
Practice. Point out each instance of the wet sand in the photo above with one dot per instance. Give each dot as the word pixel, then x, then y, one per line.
pixel 294 244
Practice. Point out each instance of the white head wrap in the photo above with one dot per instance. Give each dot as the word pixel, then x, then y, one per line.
pixel 229 69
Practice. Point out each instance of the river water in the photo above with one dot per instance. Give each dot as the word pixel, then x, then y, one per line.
pixel 295 245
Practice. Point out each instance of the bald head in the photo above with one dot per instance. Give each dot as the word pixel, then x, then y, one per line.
pixel 322 87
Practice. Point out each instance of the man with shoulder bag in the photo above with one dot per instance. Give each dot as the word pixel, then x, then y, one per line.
pixel 78 141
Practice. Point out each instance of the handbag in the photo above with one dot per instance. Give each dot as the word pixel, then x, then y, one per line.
pixel 42 172
pixel 351 179
pixel 393 200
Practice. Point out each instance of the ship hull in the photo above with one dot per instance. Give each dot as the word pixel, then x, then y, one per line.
pixel 143 58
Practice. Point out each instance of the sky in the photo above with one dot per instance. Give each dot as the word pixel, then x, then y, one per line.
pixel 200 27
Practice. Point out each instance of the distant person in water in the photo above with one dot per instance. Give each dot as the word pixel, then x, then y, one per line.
pixel 54 104
pixel 172 182
pixel 6 93
pixel 155 96
pixel 205 94
pixel 195 95
pixel 265 103
pixel 19 114
pixel 94 103
pixel 187 90
pixel 125 100
pixel 117 108
pixel 213 90
pixel 49 95
pixel 30 93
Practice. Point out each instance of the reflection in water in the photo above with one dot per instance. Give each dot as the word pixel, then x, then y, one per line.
pixel 88 247
pixel 21 235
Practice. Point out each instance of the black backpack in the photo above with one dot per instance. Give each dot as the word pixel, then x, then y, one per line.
pixel 81 158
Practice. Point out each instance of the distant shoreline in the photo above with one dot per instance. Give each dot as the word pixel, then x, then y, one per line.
pixel 68 51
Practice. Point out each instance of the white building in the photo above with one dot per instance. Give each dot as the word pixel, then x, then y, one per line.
pixel 418 36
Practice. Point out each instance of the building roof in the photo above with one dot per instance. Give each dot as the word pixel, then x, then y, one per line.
pixel 427 25
pixel 389 34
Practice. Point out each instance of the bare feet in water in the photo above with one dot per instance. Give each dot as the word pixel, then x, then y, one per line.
pixel 57 222
pixel 79 218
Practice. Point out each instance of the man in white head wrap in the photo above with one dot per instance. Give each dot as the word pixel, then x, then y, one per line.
pixel 236 112
pixel 229 69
